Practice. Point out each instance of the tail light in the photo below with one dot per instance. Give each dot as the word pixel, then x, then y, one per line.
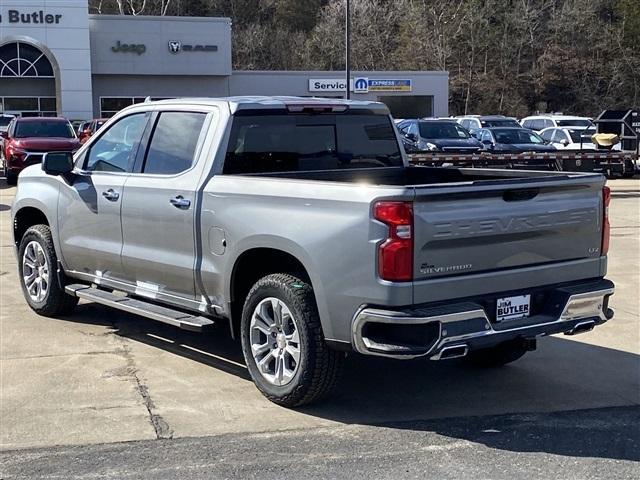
pixel 606 227
pixel 395 254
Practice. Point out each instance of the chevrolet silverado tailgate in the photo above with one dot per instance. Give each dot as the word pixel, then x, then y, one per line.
pixel 494 225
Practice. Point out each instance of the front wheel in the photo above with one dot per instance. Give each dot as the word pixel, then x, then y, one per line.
pixel 283 344
pixel 37 263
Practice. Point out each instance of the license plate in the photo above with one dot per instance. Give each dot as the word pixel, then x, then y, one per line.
pixel 512 308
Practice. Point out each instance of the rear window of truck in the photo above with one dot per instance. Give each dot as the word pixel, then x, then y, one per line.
pixel 265 143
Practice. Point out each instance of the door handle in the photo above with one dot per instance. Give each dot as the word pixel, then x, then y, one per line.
pixel 180 202
pixel 111 194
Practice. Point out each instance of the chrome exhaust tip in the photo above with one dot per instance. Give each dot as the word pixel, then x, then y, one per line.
pixel 582 327
pixel 453 351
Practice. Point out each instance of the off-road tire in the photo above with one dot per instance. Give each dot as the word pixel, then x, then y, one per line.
pixel 56 302
pixel 319 367
pixel 497 356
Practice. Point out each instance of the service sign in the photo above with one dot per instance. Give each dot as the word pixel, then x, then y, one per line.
pixel 327 84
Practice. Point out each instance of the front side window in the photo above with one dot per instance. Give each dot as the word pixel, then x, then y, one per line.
pixel 114 151
pixel 559 136
pixel 547 135
pixel 305 142
pixel 173 144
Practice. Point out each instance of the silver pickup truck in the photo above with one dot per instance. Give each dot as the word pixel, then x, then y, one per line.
pixel 299 224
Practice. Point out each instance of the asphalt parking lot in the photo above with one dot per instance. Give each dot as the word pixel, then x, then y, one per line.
pixel 74 389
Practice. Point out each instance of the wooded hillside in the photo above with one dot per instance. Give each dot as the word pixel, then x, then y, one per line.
pixel 503 56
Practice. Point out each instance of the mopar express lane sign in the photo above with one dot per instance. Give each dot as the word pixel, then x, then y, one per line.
pixel 389 85
pixel 37 17
pixel 360 85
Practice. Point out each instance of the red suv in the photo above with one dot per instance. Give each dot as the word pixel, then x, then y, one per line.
pixel 27 139
pixel 90 128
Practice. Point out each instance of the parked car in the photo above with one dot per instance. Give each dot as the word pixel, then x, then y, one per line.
pixel 428 135
pixel 538 123
pixel 476 122
pixel 300 224
pixel 28 138
pixel 80 127
pixel 90 128
pixel 5 120
pixel 512 140
pixel 563 138
pixel 77 124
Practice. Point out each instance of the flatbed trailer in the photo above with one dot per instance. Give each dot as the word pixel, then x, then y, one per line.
pixel 609 163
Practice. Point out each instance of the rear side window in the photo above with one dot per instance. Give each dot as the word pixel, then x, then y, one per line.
pixel 173 144
pixel 304 142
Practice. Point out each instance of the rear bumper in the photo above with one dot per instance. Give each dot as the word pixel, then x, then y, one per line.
pixel 447 330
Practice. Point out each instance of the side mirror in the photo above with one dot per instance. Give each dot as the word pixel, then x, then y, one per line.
pixel 411 136
pixel 564 142
pixel 57 163
pixel 4 135
pixel 487 142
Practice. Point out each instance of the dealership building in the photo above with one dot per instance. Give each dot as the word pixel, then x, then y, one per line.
pixel 57 59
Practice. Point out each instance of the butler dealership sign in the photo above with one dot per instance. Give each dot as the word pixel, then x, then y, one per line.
pixel 37 17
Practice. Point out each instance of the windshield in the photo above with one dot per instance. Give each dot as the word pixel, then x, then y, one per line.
pixel 44 128
pixel 442 130
pixel 4 121
pixel 504 122
pixel 585 122
pixel 585 134
pixel 304 142
pixel 513 135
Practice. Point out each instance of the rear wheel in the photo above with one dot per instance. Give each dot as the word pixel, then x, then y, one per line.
pixel 497 356
pixel 282 341
pixel 40 282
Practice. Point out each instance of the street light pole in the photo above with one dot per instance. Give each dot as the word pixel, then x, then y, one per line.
pixel 347 41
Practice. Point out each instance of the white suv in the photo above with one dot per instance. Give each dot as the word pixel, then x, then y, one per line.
pixel 538 123
pixel 564 138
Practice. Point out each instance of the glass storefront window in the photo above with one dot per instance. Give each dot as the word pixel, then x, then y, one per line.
pixel 115 103
pixel 109 106
pixel 21 103
pixel 47 103
pixel 29 106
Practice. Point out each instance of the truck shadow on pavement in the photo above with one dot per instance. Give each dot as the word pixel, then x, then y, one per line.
pixel 562 376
